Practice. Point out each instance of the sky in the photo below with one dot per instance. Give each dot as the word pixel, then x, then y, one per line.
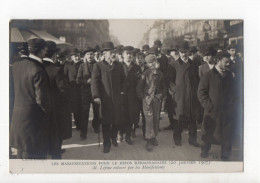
pixel 129 32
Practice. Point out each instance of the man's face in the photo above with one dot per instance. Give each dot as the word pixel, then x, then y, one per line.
pixel 207 58
pixel 127 56
pixel 89 56
pixel 119 57
pixel 184 55
pixel 110 55
pixel 225 64
pixel 96 54
pixel 145 52
pixel 140 60
pixel 174 53
pixel 232 52
pixel 151 64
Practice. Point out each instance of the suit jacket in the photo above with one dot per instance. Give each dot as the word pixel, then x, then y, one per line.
pixel 203 69
pixel 32 106
pixel 107 84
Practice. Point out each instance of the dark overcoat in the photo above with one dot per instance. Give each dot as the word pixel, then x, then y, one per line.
pixel 203 69
pixel 61 126
pixel 71 71
pixel 184 82
pixel 216 94
pixel 163 60
pixel 131 103
pixel 107 84
pixel 30 125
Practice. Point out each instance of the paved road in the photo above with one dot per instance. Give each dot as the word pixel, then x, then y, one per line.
pixel 89 149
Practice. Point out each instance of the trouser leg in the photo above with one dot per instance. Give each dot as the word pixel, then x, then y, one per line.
pixel 156 115
pixel 192 130
pixel 106 134
pixel 114 131
pixel 84 116
pixel 177 129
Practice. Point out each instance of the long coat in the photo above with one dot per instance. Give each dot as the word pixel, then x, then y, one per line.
pixel 203 69
pixel 184 82
pixel 216 94
pixel 163 60
pixel 30 125
pixel 131 103
pixel 60 117
pixel 107 84
pixel 71 71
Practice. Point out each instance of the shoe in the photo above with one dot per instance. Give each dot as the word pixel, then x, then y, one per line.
pixel 114 142
pixel 204 154
pixel 83 136
pixel 168 127
pixel 149 145
pixel 177 143
pixel 194 143
pixel 154 142
pixel 107 148
pixel 129 141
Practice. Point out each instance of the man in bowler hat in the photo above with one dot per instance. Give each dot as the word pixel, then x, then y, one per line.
pixel 84 79
pixel 60 118
pixel 184 79
pixel 30 126
pixel 107 89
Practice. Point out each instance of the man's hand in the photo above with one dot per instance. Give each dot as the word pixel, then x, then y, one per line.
pixel 97 100
pixel 89 81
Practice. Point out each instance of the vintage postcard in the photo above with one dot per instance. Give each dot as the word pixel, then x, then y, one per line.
pixel 126 95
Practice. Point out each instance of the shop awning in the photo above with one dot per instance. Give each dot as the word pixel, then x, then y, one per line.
pixel 24 35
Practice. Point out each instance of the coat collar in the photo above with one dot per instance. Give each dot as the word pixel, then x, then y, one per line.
pixel 35 58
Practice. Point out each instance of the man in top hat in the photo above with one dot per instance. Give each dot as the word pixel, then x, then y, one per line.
pixel 71 71
pixel 208 57
pixel 106 86
pixel 29 132
pixel 84 79
pixel 184 80
pixel 60 118
pixel 145 49
pixel 131 102
pixel 216 94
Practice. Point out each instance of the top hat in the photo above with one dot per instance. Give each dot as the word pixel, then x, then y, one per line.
pixel 89 49
pixel 153 50
pixel 51 46
pixel 183 46
pixel 37 43
pixel 145 47
pixel 107 46
pixel 157 43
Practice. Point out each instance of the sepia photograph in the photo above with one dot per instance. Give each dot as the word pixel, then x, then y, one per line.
pixel 171 90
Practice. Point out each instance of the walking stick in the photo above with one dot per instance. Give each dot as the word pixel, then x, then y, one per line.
pixel 100 117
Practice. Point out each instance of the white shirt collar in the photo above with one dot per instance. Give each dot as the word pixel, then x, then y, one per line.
pixel 48 60
pixel 35 58
pixel 210 66
pixel 127 63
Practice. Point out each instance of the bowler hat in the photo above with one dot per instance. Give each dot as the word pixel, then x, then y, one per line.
pixel 36 43
pixel 153 50
pixel 193 49
pixel 119 49
pixel 232 46
pixel 209 50
pixel 157 43
pixel 183 46
pixel 128 48
pixel 89 49
pixel 173 47
pixel 107 46
pixel 145 47
pixel 222 54
pixel 150 58
pixel 136 50
pixel 51 46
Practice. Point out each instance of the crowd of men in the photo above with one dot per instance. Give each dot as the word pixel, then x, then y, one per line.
pixel 124 84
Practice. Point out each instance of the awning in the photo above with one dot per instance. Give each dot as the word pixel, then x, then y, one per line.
pixel 24 35
pixel 16 35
